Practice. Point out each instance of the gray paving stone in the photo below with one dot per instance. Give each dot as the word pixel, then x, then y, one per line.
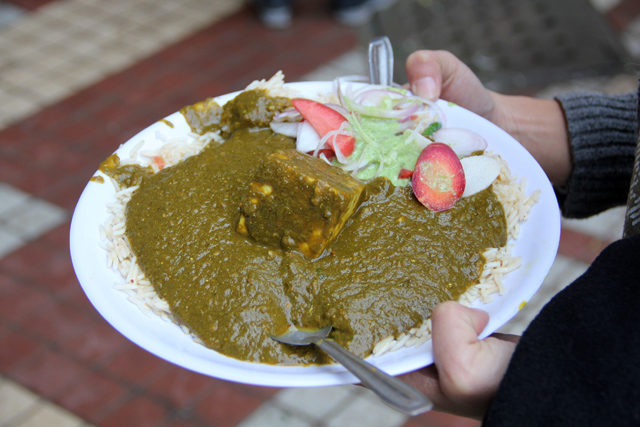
pixel 10 197
pixel 271 415
pixel 367 410
pixel 318 402
pixel 32 217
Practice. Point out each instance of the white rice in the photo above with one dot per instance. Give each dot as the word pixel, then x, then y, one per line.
pixel 141 292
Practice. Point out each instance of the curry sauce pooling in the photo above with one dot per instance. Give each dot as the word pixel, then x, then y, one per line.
pixel 393 262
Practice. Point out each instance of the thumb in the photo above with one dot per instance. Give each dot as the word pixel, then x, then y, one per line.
pixel 456 346
pixel 455 327
pixel 434 74
pixel 424 70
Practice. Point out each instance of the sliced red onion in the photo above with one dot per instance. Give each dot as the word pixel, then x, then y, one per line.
pixel 463 141
pixel 371 87
pixel 411 110
pixel 374 96
pixel 359 165
pixel 431 108
pixel 307 139
pixel 290 115
pixel 377 112
pixel 406 125
pixel 323 157
pixel 331 136
pixel 339 108
pixel 479 173
pixel 356 166
pixel 285 128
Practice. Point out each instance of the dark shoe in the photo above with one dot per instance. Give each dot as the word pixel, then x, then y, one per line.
pixel 357 13
pixel 275 14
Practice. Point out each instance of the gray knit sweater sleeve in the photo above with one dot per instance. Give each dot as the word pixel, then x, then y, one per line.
pixel 603 132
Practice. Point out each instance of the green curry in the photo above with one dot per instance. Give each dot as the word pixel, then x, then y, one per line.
pixel 393 262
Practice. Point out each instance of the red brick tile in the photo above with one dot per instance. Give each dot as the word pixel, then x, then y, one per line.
pixel 44 153
pixel 38 181
pixel 78 132
pixel 139 411
pixel 77 102
pixel 204 90
pixel 172 81
pixel 115 84
pixel 96 344
pixel 182 387
pixel 580 246
pixel 18 301
pixel 78 299
pixel 16 348
pixel 11 137
pixel 7 284
pixel 111 113
pixel 136 365
pixel 91 396
pixel 49 118
pixel 55 274
pixel 267 392
pixel 67 193
pixel 57 323
pixel 12 172
pixel 227 405
pixel 57 239
pixel 48 372
pixel 70 162
pixel 24 259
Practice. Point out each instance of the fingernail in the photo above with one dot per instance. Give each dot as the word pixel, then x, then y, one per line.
pixel 426 88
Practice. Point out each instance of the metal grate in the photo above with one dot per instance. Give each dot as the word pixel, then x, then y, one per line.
pixel 512 45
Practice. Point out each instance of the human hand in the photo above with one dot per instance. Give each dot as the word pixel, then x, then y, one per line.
pixel 538 124
pixel 467 371
pixel 440 74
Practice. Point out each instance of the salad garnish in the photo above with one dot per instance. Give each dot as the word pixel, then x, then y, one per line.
pixel 372 130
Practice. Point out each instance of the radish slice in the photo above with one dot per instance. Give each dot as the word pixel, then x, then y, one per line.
pixel 463 141
pixel 479 172
pixel 325 120
pixel 307 138
pixel 285 128
pixel 438 180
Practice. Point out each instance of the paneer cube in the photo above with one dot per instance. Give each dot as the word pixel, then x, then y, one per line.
pixel 298 202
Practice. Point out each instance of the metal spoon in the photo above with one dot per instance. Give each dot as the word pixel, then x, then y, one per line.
pixel 381 61
pixel 392 391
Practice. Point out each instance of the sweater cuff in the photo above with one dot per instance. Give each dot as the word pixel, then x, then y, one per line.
pixel 603 133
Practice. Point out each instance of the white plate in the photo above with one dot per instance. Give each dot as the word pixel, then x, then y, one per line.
pixel 537 245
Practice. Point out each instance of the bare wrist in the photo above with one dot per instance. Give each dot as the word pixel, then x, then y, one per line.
pixel 540 126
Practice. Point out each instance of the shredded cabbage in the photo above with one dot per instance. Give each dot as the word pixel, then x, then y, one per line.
pixel 383 121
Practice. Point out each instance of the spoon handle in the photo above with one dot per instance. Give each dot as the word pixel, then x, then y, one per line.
pixel 381 61
pixel 392 391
